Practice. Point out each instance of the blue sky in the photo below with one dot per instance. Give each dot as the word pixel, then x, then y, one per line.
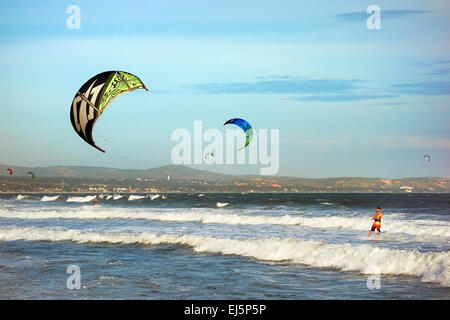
pixel 348 101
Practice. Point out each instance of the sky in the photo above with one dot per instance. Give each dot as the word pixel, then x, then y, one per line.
pixel 347 100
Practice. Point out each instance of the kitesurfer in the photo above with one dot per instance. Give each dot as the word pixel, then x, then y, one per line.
pixel 377 222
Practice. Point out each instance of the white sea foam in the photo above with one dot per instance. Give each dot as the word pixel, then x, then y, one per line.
pixel 49 198
pixel 21 197
pixel 109 197
pixel 81 199
pixel 426 230
pixel 117 197
pixel 154 196
pixel 221 204
pixel 133 198
pixel 430 267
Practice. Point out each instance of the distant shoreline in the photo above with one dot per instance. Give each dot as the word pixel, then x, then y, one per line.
pixel 183 180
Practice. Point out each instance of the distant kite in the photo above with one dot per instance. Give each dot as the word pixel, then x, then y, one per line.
pixel 10 171
pixel 245 126
pixel 32 175
pixel 428 157
pixel 92 98
pixel 209 154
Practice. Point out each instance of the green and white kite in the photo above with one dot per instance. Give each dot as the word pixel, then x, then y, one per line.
pixel 93 97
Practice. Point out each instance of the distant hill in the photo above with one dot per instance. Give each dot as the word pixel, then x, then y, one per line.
pixel 175 172
pixel 184 179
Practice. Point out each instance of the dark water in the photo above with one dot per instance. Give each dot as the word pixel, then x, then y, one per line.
pixel 225 246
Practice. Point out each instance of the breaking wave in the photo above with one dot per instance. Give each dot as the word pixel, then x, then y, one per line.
pixel 133 198
pixel 81 199
pixel 430 267
pixel 221 204
pixel 428 229
pixel 49 198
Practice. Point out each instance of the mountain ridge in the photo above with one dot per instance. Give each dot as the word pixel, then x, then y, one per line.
pixel 73 171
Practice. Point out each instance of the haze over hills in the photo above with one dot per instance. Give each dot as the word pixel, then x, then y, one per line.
pixel 184 179
pixel 174 171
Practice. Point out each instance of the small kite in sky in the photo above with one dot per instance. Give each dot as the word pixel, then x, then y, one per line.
pixel 245 126
pixel 209 154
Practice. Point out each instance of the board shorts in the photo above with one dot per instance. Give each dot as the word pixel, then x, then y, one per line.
pixel 376 225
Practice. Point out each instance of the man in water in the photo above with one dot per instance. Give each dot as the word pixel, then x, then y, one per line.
pixel 377 222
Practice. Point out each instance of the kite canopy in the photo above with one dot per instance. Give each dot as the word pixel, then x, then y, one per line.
pixel 428 157
pixel 10 171
pixel 245 126
pixel 32 174
pixel 209 154
pixel 93 97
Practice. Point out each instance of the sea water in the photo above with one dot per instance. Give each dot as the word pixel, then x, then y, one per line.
pixel 224 246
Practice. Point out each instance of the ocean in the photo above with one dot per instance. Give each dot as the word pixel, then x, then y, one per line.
pixel 224 246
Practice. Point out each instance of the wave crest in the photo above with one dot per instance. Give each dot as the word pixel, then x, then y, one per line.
pixel 431 267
